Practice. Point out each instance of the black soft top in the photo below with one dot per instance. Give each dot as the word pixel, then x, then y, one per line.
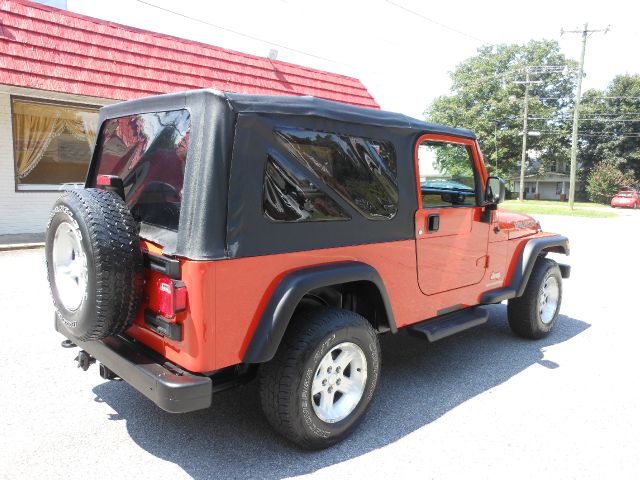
pixel 217 218
pixel 319 107
pixel 282 105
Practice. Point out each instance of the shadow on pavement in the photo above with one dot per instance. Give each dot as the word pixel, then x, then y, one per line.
pixel 420 382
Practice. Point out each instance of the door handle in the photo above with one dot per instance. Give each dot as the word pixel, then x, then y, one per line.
pixel 433 223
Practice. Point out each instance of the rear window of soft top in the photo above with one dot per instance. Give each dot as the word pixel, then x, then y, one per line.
pixel 148 152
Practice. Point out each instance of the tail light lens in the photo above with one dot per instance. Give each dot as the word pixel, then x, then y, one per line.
pixel 111 183
pixel 168 297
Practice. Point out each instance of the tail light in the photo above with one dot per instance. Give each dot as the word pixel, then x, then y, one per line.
pixel 168 297
pixel 111 183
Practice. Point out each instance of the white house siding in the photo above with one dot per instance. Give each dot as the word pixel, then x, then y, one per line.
pixel 24 211
pixel 546 188
pixel 547 191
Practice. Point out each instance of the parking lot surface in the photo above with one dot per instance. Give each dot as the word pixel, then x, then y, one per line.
pixel 483 404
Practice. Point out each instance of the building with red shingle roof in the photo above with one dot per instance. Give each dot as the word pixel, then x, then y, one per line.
pixel 57 68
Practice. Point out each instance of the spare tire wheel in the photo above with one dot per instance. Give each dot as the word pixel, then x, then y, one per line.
pixel 94 263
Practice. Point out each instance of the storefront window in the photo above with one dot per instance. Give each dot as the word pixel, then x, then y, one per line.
pixel 52 144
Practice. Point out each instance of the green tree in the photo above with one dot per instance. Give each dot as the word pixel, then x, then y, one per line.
pixel 610 126
pixel 453 160
pixel 486 98
pixel 605 180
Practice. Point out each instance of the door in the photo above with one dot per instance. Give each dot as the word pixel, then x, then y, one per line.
pixel 451 231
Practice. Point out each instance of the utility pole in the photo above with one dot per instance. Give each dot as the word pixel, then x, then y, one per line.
pixel 495 142
pixel 524 137
pixel 523 160
pixel 576 111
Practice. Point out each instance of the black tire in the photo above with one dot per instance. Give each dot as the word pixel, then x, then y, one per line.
pixel 524 312
pixel 286 381
pixel 106 234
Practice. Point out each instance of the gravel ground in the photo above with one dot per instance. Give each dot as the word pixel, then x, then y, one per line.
pixel 483 404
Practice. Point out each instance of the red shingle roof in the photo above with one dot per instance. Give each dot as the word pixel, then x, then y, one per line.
pixel 50 49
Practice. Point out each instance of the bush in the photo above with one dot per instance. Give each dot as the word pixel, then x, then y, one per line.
pixel 605 180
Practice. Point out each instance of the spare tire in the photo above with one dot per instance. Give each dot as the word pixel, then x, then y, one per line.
pixel 94 263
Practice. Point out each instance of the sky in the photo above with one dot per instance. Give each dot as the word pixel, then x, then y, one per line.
pixel 402 50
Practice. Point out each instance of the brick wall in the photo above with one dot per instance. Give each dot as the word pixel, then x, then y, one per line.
pixel 24 212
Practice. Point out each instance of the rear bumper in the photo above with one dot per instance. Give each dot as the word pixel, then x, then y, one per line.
pixel 173 392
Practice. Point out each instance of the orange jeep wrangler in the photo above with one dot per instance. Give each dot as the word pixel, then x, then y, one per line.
pixel 223 236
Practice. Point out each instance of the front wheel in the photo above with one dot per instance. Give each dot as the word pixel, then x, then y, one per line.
pixel 534 314
pixel 320 382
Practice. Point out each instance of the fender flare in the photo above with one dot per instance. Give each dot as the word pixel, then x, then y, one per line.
pixel 275 318
pixel 526 261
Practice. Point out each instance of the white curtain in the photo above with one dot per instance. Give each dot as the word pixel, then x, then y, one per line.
pixel 37 124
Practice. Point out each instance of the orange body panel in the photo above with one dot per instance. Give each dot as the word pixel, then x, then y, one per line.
pixel 456 255
pixel 226 297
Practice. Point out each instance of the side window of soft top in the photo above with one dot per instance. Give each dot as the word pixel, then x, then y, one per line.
pixel 289 196
pixel 361 171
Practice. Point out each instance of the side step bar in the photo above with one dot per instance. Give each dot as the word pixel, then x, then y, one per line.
pixel 449 324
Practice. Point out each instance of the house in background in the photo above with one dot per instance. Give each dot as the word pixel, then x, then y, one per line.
pixel 58 68
pixel 552 185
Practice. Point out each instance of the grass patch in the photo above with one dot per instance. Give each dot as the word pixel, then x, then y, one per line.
pixel 560 208
pixel 552 203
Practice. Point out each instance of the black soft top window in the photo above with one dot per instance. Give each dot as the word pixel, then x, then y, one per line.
pixel 289 196
pixel 148 151
pixel 362 171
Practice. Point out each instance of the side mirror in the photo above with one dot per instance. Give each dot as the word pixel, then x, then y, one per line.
pixel 494 191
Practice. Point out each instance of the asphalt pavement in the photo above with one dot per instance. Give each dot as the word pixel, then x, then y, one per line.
pixel 483 404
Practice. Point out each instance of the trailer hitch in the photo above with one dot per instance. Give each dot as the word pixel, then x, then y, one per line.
pixel 84 360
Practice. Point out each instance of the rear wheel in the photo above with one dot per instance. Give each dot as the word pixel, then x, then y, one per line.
pixel 535 313
pixel 320 382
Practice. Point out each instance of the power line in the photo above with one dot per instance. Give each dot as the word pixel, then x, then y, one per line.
pixel 615 97
pixel 251 37
pixel 590 133
pixel 604 120
pixel 590 98
pixel 504 76
pixel 563 118
pixel 612 114
pixel 588 116
pixel 435 22
pixel 617 135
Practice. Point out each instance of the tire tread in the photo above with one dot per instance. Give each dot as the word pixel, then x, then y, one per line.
pixel 279 377
pixel 522 311
pixel 114 245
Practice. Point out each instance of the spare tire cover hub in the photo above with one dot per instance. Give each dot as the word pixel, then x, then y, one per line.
pixel 69 266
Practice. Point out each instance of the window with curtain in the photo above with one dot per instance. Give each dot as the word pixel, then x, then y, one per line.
pixel 52 143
